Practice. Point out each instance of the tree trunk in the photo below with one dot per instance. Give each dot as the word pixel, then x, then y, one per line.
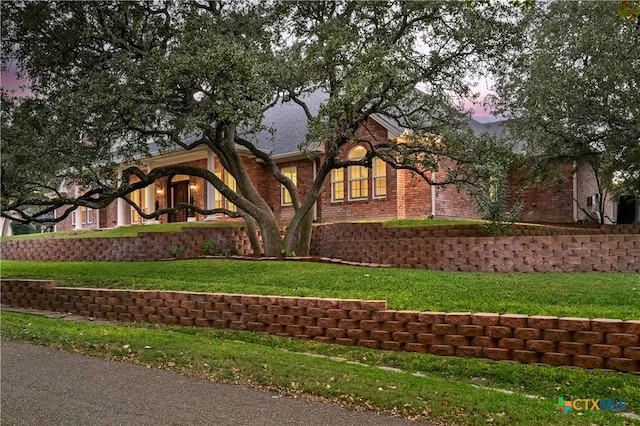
pixel 304 239
pixel 252 233
pixel 271 238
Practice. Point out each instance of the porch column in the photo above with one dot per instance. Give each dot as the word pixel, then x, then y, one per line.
pixel 77 212
pixel 210 201
pixel 150 197
pixel 121 207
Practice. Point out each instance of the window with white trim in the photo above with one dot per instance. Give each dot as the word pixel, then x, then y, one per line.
pixel 379 178
pixel 140 199
pixel 337 185
pixel 86 215
pixel 220 201
pixel 292 174
pixel 358 175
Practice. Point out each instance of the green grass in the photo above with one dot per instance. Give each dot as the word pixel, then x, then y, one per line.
pixel 132 231
pixel 396 223
pixel 590 295
pixel 448 390
pixel 124 231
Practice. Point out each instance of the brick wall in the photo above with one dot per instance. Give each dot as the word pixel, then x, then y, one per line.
pixel 449 248
pixel 466 248
pixel 580 342
pixel 146 246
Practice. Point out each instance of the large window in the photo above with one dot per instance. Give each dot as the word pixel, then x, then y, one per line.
pixel 86 215
pixel 357 179
pixel 220 201
pixel 358 175
pixel 337 184
pixel 379 178
pixel 140 199
pixel 292 174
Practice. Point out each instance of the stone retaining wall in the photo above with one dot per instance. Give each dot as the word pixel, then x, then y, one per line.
pixel 146 246
pixel 580 342
pixel 450 248
pixel 534 250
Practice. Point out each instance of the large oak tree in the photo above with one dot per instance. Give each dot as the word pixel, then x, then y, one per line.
pixel 111 77
pixel 573 94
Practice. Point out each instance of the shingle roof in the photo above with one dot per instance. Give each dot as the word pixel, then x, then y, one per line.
pixel 288 124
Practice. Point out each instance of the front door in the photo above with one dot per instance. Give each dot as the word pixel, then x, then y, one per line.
pixel 179 193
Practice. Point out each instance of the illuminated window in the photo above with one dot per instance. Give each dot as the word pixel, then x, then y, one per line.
pixel 379 178
pixel 85 215
pixel 358 175
pixel 337 184
pixel 140 199
pixel 220 201
pixel 292 174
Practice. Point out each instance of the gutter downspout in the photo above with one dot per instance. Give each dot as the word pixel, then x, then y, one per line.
pixel 315 175
pixel 575 192
pixel 433 195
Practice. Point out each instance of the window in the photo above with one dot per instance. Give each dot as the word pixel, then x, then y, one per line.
pixel 220 201
pixel 379 178
pixel 358 175
pixel 292 174
pixel 85 215
pixel 337 184
pixel 140 199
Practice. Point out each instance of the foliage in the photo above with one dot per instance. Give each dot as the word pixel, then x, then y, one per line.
pixel 192 74
pixel 446 390
pixel 209 247
pixel 18 228
pixel 177 250
pixel 493 193
pixel 629 10
pixel 573 94
pixel 590 295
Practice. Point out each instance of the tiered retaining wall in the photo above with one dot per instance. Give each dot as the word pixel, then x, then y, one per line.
pixel 146 246
pixel 597 343
pixel 451 248
pixel 465 248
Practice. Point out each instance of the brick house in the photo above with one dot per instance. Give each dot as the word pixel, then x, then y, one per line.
pixel 356 193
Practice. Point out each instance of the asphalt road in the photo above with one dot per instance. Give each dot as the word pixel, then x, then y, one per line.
pixel 43 386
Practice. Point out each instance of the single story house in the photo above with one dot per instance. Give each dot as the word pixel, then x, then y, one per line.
pixel 356 193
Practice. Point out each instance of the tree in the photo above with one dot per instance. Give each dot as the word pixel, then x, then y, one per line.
pixel 203 73
pixel 574 93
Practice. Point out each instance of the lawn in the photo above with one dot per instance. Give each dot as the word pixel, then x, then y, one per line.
pixel 446 390
pixel 132 231
pixel 590 295
pixel 124 231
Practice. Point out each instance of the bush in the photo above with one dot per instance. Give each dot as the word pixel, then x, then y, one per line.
pixel 18 228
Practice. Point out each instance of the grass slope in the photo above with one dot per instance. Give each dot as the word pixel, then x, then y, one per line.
pixel 590 295
pixel 447 390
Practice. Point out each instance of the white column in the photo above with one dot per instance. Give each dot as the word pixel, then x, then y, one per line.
pixel 150 197
pixel 77 212
pixel 121 207
pixel 210 202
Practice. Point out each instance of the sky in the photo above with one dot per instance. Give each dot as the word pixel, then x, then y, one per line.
pixel 9 81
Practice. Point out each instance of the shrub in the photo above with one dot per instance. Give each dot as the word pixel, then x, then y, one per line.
pixel 19 228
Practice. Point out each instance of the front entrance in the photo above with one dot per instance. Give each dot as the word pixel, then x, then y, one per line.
pixel 178 193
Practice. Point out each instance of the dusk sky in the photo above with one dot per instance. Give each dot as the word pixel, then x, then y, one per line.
pixel 9 81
